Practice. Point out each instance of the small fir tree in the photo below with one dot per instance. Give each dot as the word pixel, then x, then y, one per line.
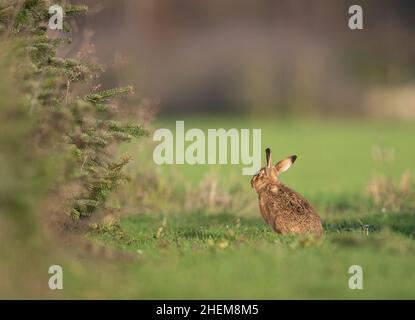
pixel 80 133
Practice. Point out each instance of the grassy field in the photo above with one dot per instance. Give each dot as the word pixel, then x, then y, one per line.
pixel 228 252
pixel 334 155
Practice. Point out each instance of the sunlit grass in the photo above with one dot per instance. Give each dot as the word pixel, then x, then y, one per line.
pixel 194 254
pixel 223 256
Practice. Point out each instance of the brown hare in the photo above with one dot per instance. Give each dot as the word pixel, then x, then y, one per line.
pixel 285 210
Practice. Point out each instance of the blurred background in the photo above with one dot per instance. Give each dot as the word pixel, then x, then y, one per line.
pixel 260 57
pixel 342 100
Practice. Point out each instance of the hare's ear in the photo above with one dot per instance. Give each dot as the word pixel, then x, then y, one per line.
pixel 269 160
pixel 285 164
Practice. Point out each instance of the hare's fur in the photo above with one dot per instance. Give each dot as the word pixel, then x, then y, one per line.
pixel 285 210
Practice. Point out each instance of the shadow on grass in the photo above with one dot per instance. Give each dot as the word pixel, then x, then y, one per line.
pixel 221 219
pixel 200 226
pixel 205 226
pixel 403 223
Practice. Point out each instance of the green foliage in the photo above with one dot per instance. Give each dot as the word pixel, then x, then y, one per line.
pixel 85 128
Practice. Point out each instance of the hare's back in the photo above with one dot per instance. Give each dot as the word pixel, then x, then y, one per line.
pixel 287 201
pixel 292 213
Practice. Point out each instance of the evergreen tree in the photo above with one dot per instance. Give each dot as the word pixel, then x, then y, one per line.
pixel 80 134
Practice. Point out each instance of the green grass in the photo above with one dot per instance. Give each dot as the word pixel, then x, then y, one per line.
pixel 335 156
pixel 194 254
pixel 222 256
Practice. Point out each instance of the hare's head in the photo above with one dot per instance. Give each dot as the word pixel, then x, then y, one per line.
pixel 270 173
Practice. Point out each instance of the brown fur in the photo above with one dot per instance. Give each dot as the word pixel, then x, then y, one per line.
pixel 285 210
